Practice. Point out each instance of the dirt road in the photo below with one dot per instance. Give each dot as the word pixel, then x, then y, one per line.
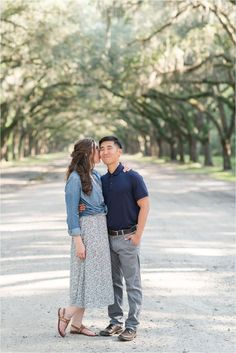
pixel 187 260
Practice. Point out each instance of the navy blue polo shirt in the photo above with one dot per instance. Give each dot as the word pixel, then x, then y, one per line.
pixel 121 191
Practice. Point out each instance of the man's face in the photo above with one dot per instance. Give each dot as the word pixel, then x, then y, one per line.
pixel 110 152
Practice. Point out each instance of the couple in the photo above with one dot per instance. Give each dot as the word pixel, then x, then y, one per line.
pixel 106 218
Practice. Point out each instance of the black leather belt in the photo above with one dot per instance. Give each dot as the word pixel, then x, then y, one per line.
pixel 122 231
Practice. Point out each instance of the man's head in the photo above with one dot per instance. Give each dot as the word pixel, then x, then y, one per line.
pixel 110 150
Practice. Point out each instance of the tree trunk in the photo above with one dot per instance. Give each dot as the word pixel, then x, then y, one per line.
pixel 21 144
pixel 160 148
pixel 226 152
pixel 4 152
pixel 133 146
pixel 207 153
pixel 173 151
pixel 181 149
pixel 14 145
pixel 26 146
pixel 36 146
pixel 147 150
pixel 31 145
pixel 193 149
pixel 153 147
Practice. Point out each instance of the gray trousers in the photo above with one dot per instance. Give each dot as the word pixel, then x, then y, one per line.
pixel 125 264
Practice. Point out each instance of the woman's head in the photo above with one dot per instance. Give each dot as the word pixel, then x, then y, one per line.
pixel 84 152
pixel 84 157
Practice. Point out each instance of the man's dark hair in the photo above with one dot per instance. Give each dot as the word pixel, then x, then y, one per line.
pixel 110 138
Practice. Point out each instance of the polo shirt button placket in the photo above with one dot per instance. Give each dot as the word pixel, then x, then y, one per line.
pixel 110 182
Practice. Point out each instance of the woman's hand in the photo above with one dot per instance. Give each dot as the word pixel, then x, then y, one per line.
pixel 80 248
pixel 126 168
pixel 82 207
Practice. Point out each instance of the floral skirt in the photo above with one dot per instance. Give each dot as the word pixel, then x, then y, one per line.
pixel 91 279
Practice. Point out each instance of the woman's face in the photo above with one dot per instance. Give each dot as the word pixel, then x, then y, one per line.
pixel 96 156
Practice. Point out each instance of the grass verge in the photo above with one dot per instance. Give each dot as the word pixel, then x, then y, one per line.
pixel 189 167
pixel 215 171
pixel 36 160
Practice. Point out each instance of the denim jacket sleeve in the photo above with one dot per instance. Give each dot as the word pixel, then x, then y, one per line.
pixel 72 197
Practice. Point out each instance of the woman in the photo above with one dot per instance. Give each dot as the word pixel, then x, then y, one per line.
pixel 90 272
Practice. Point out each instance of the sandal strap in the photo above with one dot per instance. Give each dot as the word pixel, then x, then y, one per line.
pixel 64 320
pixel 62 317
pixel 79 329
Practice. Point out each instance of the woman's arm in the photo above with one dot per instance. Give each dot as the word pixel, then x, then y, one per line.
pixel 72 197
pixel 73 192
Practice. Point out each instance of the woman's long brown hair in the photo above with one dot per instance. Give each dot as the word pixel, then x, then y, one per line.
pixel 82 162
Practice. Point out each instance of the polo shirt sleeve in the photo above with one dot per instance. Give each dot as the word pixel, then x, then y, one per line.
pixel 72 197
pixel 139 188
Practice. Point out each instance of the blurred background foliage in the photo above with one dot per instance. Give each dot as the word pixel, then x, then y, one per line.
pixel 158 74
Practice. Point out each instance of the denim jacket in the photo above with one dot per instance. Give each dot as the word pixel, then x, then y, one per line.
pixel 74 196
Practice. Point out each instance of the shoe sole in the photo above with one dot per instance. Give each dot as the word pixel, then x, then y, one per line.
pixel 58 324
pixel 112 334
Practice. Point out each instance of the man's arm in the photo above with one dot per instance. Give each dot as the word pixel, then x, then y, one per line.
pixel 142 218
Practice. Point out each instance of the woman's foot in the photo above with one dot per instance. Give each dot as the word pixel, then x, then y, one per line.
pixel 82 330
pixel 63 322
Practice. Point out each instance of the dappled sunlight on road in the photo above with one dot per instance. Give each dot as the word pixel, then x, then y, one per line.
pixel 178 283
pixel 200 251
pixel 34 283
pixel 169 214
pixel 33 276
pixel 35 225
pixel 168 269
pixel 33 257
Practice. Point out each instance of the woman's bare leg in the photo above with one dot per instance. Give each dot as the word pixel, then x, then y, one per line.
pixel 76 322
pixel 78 317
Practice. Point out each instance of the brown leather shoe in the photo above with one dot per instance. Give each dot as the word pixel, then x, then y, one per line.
pixel 111 330
pixel 127 335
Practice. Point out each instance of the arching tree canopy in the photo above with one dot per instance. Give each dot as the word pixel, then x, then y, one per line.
pixel 159 74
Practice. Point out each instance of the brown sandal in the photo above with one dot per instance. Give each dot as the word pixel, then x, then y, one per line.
pixel 79 331
pixel 62 318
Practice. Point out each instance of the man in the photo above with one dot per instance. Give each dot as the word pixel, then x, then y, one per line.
pixel 126 197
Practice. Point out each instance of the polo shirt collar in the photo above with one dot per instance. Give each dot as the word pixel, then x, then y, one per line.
pixel 118 170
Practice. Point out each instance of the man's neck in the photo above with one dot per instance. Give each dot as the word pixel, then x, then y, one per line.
pixel 112 167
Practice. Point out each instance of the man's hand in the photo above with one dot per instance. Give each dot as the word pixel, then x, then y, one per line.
pixel 134 238
pixel 80 248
